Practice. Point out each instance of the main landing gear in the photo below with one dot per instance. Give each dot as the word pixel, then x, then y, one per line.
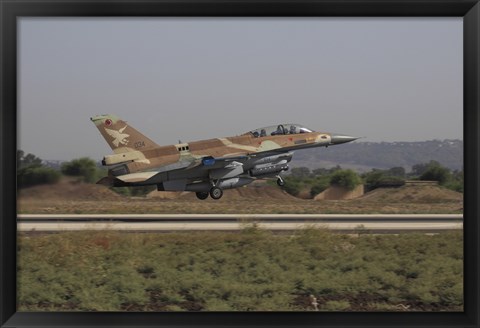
pixel 215 193
pixel 202 195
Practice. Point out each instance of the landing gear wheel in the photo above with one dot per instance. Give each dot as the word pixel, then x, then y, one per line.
pixel 216 193
pixel 202 195
pixel 280 182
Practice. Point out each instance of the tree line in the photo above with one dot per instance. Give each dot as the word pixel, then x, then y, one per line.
pixel 315 181
pixel 32 171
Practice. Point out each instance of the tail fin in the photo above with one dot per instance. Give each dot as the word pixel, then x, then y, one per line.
pixel 120 136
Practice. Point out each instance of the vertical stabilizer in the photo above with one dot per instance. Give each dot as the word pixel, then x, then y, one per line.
pixel 120 136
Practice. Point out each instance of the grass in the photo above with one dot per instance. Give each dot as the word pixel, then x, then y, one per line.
pixel 226 206
pixel 250 271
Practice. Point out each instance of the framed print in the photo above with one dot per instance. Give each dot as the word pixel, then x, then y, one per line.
pixel 189 96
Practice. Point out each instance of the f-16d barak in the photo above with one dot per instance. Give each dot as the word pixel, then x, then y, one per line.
pixel 207 166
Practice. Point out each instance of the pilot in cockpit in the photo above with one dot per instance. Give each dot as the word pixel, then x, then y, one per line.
pixel 279 131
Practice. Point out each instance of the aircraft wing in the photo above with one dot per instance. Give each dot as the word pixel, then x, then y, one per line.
pixel 218 167
pixel 233 164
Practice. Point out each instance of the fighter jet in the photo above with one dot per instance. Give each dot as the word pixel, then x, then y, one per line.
pixel 205 167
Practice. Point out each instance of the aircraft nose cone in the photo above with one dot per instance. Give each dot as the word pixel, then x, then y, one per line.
pixel 337 139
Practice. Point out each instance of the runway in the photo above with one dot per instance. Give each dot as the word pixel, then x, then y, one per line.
pixel 354 223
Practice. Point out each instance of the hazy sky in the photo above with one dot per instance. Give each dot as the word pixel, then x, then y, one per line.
pixel 385 79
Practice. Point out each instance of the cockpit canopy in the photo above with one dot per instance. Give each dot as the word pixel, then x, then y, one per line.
pixel 280 129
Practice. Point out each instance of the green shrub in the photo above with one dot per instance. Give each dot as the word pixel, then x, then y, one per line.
pixel 345 178
pixel 436 173
pixel 27 160
pixel 293 185
pixel 455 186
pixel 320 184
pixel 35 175
pixel 31 172
pixel 82 167
pixel 379 178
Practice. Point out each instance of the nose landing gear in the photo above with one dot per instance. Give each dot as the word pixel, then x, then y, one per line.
pixel 280 181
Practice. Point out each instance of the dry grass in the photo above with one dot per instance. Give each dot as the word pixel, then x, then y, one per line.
pixel 267 200
pixel 224 206
pixel 68 198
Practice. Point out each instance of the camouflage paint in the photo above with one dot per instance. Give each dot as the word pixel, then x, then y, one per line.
pixel 142 159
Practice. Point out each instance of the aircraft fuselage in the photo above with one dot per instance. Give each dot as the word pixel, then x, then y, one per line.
pixel 204 166
pixel 179 156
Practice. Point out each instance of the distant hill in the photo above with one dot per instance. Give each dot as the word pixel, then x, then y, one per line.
pixel 363 156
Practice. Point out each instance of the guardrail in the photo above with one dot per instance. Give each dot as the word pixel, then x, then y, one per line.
pixel 353 223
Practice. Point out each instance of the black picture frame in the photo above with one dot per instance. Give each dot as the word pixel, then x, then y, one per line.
pixel 11 10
